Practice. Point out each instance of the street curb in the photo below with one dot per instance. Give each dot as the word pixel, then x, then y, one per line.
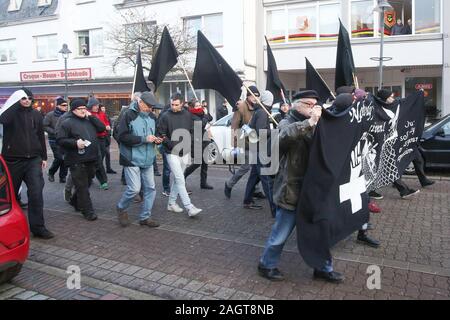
pixel 91 282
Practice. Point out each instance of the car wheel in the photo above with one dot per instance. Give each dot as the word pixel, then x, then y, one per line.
pixel 9 274
pixel 410 170
pixel 212 153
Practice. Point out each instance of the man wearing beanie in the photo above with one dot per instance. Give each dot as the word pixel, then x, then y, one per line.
pixel 94 108
pixel 78 136
pixel 50 121
pixel 243 116
pixel 25 153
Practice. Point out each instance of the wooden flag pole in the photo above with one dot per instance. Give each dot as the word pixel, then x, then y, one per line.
pixel 189 80
pixel 355 80
pixel 283 96
pixel 262 106
pixel 135 76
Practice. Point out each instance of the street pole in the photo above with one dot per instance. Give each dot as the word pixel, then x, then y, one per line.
pixel 380 86
pixel 67 88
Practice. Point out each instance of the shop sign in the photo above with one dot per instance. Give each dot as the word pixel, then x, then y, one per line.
pixel 56 75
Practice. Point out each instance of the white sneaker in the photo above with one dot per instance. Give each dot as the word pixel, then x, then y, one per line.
pixel 194 211
pixel 174 208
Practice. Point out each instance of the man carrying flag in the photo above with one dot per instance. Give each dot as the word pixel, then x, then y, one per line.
pixel 296 133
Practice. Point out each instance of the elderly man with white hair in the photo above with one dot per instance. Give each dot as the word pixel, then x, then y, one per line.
pixel 296 132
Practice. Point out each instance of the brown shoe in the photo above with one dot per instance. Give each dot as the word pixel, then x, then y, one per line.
pixel 149 223
pixel 123 218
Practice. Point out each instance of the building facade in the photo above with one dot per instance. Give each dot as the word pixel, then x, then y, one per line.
pixel 32 33
pixel 417 49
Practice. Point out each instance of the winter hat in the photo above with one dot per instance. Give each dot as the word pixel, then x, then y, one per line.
pixel 77 103
pixel 254 90
pixel 149 99
pixel 360 94
pixel 343 101
pixel 384 94
pixel 267 98
pixel 308 94
pixel 60 101
pixel 92 102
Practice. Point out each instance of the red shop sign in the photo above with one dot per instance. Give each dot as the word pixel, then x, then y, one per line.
pixel 424 86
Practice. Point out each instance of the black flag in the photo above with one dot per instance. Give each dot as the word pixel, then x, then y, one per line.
pixel 274 83
pixel 164 60
pixel 363 148
pixel 345 65
pixel 315 82
pixel 139 85
pixel 213 72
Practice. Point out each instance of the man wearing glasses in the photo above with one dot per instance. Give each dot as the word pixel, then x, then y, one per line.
pixel 50 121
pixel 25 153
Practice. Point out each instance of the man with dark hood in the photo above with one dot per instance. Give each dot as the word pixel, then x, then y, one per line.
pixel 78 136
pixel 25 153
pixel 50 121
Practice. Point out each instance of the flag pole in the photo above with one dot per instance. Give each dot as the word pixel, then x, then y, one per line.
pixel 135 75
pixel 189 80
pixel 355 79
pixel 259 102
pixel 283 96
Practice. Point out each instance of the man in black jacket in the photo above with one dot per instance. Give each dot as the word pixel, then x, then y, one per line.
pixel 25 153
pixel 50 121
pixel 78 137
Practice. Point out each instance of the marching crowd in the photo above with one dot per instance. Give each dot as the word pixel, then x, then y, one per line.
pixel 79 134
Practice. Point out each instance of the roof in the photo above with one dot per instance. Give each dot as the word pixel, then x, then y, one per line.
pixel 29 10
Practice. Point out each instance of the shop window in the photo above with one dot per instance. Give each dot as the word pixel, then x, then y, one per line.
pixel 429 85
pixel 302 24
pixel 428 16
pixel 362 19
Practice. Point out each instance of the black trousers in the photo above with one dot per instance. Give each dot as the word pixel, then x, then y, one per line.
pixel 30 172
pixel 203 173
pixel 58 162
pixel 108 153
pixel 100 171
pixel 82 176
pixel 419 167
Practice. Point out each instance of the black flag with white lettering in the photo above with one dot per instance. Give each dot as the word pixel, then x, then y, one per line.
pixel 392 139
pixel 213 72
pixel 164 60
pixel 334 202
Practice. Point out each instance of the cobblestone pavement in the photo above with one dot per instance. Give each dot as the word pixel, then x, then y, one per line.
pixel 215 255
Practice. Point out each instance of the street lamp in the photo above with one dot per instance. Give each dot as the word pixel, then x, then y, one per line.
pixel 65 52
pixel 381 8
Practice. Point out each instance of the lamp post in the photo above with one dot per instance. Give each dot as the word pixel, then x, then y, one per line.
pixel 65 54
pixel 381 8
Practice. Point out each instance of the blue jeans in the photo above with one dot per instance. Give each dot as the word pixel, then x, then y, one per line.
pixel 284 225
pixel 166 172
pixel 137 178
pixel 267 184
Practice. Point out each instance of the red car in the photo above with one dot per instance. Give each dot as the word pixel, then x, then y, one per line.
pixel 14 230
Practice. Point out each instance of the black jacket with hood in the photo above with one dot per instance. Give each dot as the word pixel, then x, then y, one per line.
pixel 23 133
pixel 74 128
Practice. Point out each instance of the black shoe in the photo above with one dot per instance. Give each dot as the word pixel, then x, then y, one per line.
pixel 252 206
pixel 62 180
pixel 409 194
pixel 270 274
pixel 259 195
pixel 332 277
pixel 111 171
pixel 428 183
pixel 51 177
pixel 227 191
pixel 44 234
pixel 366 240
pixel 206 187
pixel 90 216
pixel 375 195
